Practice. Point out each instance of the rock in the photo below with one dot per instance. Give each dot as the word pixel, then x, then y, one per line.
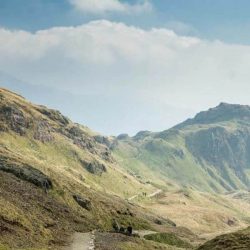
pixel 15 119
pixel 103 140
pixel 75 132
pixel 158 222
pixel 54 115
pixel 83 202
pixel 231 222
pixel 26 173
pixel 96 168
pixel 43 131
pixel 224 149
pixel 164 221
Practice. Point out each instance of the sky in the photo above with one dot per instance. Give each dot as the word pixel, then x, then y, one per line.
pixel 126 66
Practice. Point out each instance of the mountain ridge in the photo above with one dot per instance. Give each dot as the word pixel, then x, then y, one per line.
pixel 214 144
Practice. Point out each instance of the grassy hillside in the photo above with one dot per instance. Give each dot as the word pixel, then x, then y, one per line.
pixel 57 177
pixel 237 240
pixel 209 153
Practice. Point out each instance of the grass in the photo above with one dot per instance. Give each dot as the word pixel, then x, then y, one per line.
pixel 237 240
pixel 169 239
pixel 162 159
pixel 203 213
pixel 59 160
pixel 3 247
pixel 166 156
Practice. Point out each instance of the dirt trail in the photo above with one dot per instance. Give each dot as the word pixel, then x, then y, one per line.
pixel 149 196
pixel 82 241
pixel 143 233
pixel 155 193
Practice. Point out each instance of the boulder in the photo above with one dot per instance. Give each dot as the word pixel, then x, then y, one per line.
pixel 26 173
pixel 96 168
pixel 83 202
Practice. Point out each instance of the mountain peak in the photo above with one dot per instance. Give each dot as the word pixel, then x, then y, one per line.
pixel 222 112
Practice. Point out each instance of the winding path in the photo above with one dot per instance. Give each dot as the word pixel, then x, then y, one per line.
pixel 149 196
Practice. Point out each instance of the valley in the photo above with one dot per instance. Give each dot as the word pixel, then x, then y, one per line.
pixel 59 179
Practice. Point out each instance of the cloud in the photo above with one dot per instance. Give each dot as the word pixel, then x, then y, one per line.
pixel 107 6
pixel 114 61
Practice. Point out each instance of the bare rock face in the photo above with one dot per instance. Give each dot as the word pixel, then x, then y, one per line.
pixel 43 131
pixel 86 142
pixel 103 140
pixel 14 119
pixel 54 115
pixel 83 202
pixel 222 148
pixel 26 173
pixel 94 167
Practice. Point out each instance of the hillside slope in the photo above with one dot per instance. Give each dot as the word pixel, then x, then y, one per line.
pixel 237 240
pixel 209 152
pixel 57 177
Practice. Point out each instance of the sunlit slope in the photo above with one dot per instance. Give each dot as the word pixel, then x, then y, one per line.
pixel 210 152
pixel 52 142
pixel 57 177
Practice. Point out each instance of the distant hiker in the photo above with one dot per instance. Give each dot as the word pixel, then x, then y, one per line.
pixel 115 226
pixel 129 230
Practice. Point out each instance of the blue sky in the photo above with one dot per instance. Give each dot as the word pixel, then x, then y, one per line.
pixel 124 66
pixel 227 20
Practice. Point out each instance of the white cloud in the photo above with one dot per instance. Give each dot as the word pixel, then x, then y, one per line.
pixel 114 60
pixel 107 6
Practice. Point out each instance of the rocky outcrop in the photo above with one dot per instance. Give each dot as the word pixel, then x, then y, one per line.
pixel 26 173
pixel 83 202
pixel 86 142
pixel 222 148
pixel 103 140
pixel 54 115
pixel 13 118
pixel 43 131
pixel 94 167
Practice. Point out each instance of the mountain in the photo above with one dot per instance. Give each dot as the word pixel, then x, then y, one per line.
pixel 57 177
pixel 209 152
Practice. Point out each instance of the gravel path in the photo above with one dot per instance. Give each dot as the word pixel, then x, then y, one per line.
pixel 82 241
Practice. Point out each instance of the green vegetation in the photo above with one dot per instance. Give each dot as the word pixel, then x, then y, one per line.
pixel 45 160
pixel 169 239
pixel 208 153
pixel 237 240
pixel 43 140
